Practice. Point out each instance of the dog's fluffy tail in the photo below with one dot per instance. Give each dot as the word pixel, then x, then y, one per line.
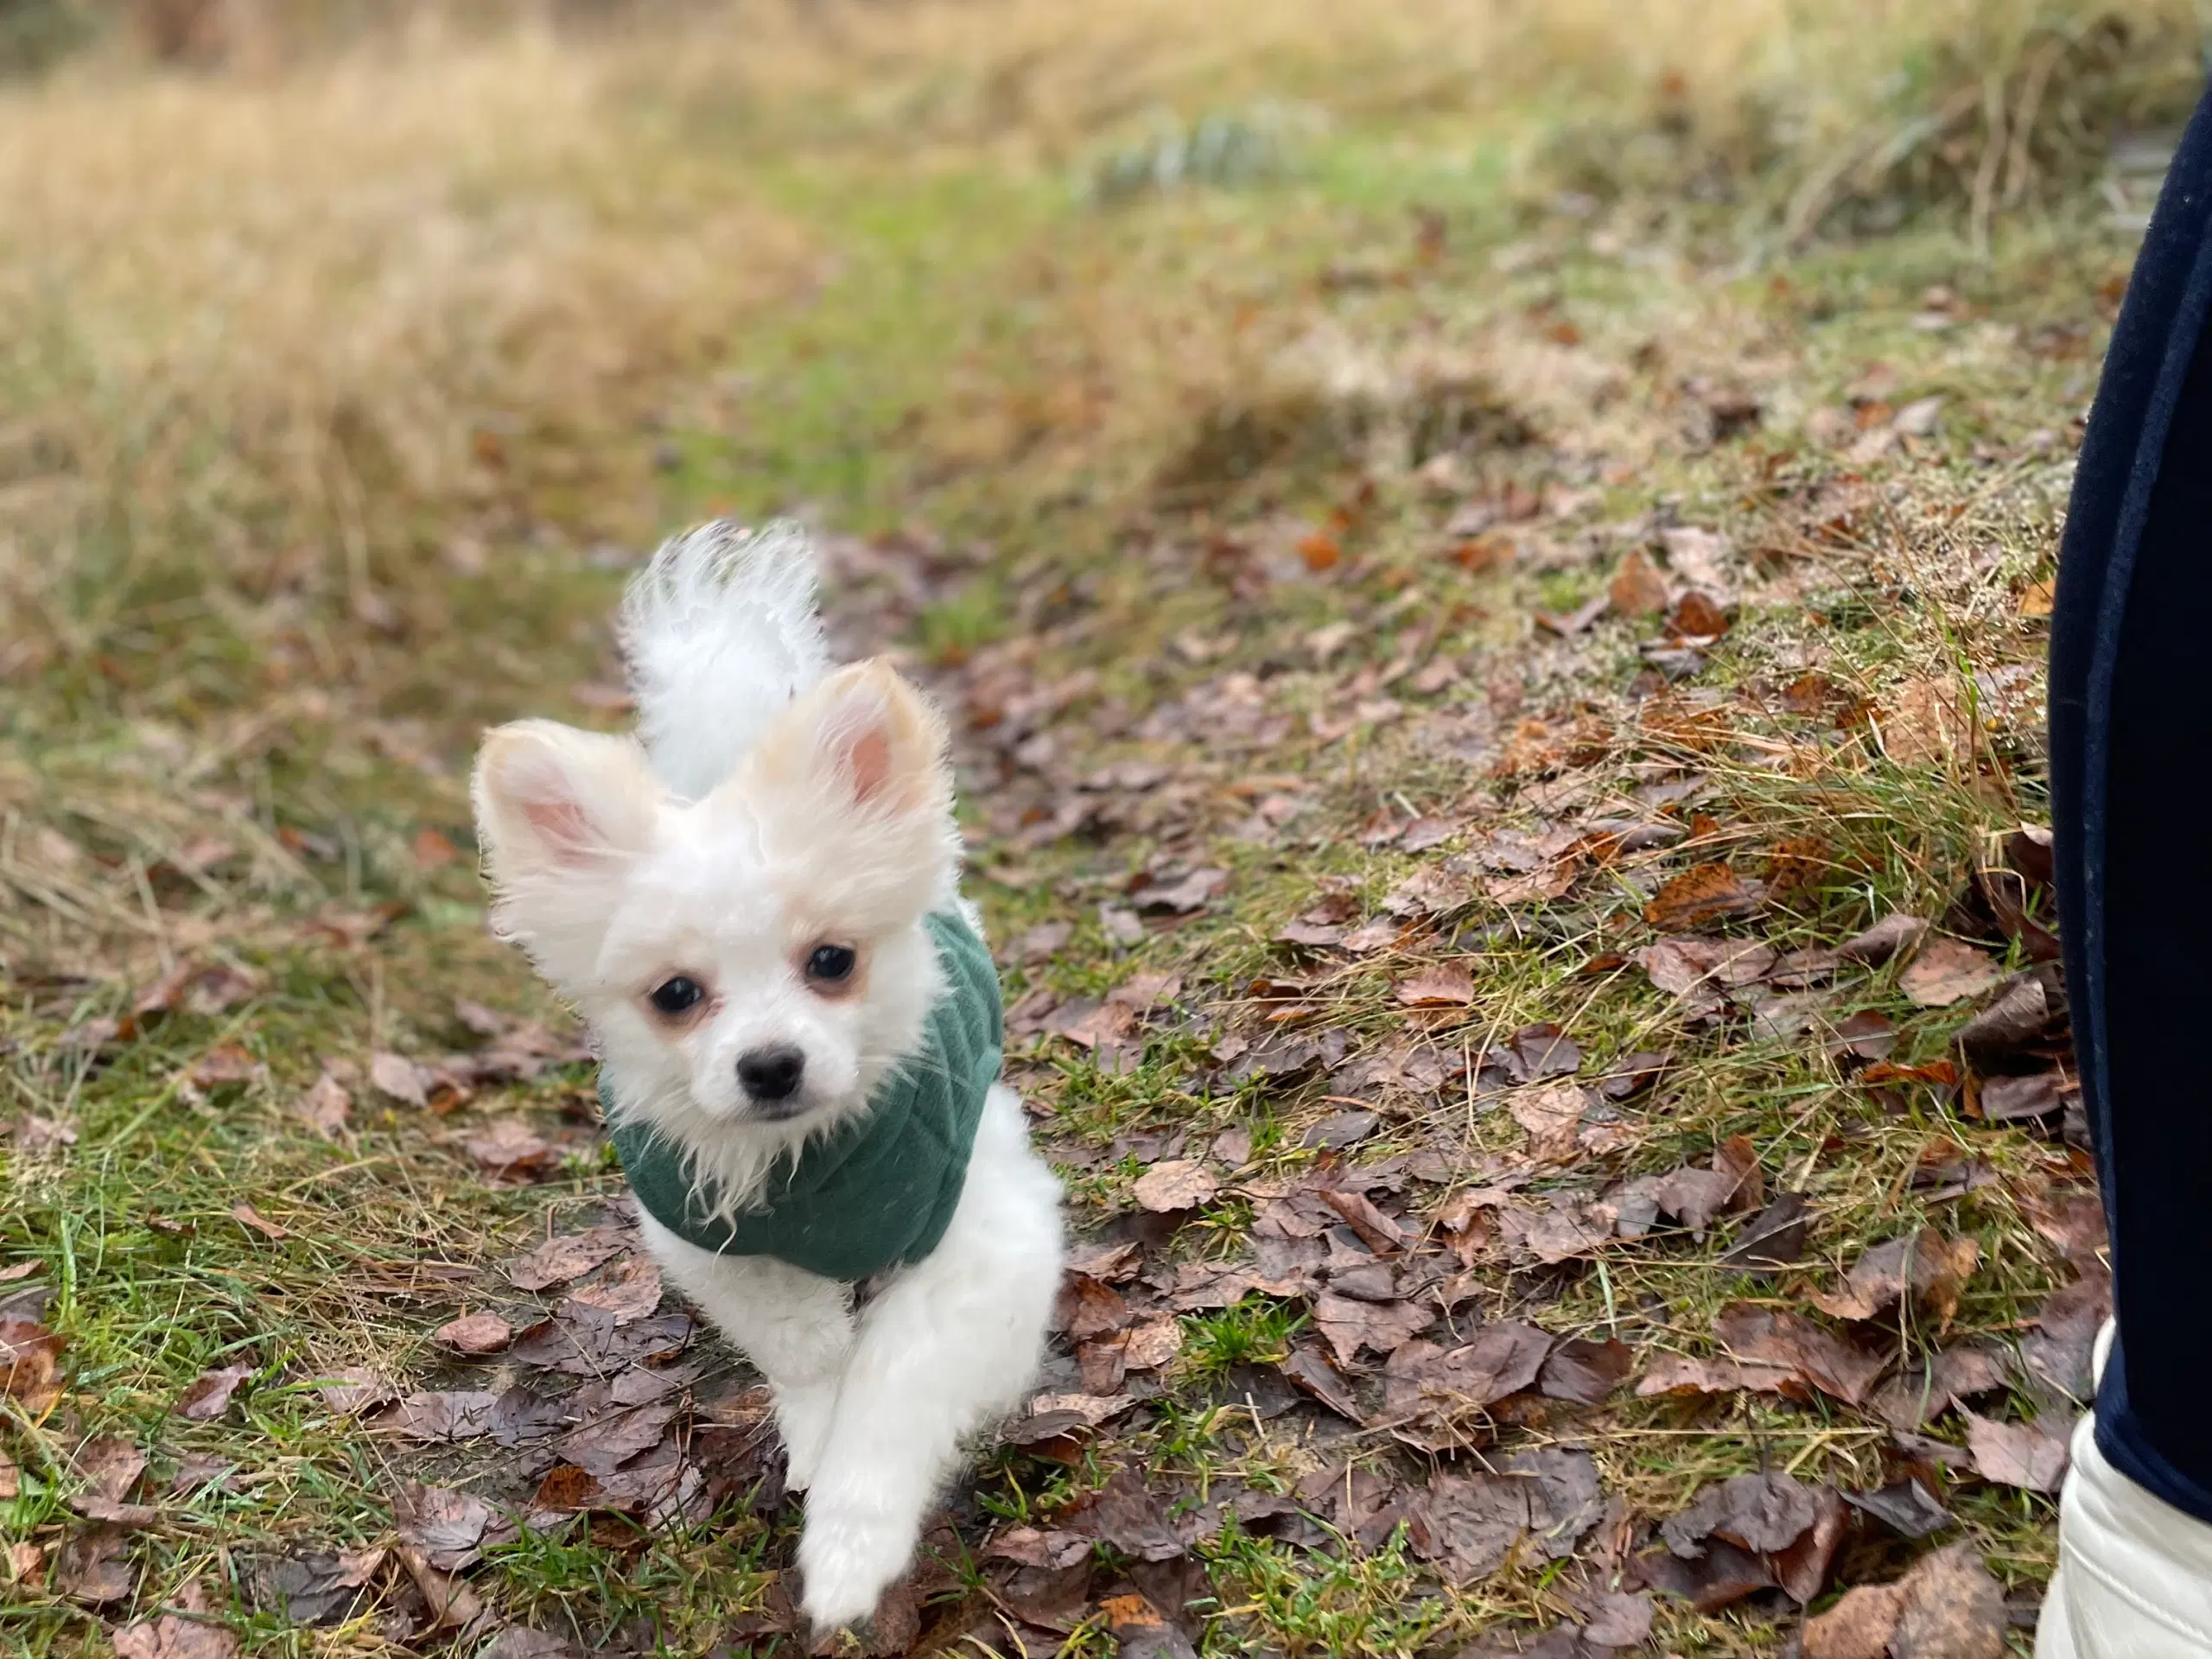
pixel 721 632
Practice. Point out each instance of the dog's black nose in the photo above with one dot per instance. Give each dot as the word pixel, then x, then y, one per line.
pixel 770 1073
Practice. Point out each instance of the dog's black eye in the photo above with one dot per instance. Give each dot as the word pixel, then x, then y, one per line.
pixel 674 996
pixel 830 962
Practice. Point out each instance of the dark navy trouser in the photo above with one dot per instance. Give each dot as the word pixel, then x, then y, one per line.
pixel 2131 741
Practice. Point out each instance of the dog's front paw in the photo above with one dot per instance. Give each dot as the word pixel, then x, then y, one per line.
pixel 803 1419
pixel 847 1562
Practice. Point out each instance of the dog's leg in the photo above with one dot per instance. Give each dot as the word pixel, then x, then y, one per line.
pixel 947 1348
pixel 795 1327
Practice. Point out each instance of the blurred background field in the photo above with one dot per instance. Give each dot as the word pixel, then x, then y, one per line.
pixel 1283 432
pixel 302 299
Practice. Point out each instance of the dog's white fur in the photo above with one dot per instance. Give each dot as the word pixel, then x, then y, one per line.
pixel 773 804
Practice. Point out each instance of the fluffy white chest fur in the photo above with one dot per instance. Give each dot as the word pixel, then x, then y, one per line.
pixel 734 900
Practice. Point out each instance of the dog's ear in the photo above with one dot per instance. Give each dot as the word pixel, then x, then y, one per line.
pixel 551 800
pixel 861 740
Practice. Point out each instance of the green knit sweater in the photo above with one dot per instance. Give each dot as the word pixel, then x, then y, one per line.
pixel 879 1191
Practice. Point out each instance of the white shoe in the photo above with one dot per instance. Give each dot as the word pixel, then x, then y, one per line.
pixel 2134 1577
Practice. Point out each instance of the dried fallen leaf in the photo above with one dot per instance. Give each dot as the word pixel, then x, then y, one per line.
pixel 1693 969
pixel 1469 1523
pixel 569 1256
pixel 110 1465
pixel 2012 1100
pixel 1764 1514
pixel 1585 1371
pixel 1562 1233
pixel 1825 1362
pixel 450 1528
pixel 1929 722
pixel 192 1632
pixel 1540 885
pixel 1948 1606
pixel 1637 587
pixel 31 1355
pixel 1695 616
pixel 442 1415
pixel 1865 1035
pixel 1710 893
pixel 1153 1343
pixel 1776 1237
pixel 1034 1546
pixel 630 1289
pixel 400 1077
pixel 449 1601
pixel 1178 1184
pixel 1090 1308
pixel 1679 1373
pixel 1693 1197
pixel 1924 1265
pixel 1567 624
pixel 1552 1114
pixel 222 1066
pixel 1148 991
pixel 350 1390
pixel 1193 891
pixel 1614 1620
pixel 1448 985
pixel 1139 1629
pixel 247 1216
pixel 1858 1626
pixel 1378 1231
pixel 2016 1454
pixel 1127 1517
pixel 1331 1133
pixel 325 1106
pixel 1349 1325
pixel 509 1147
pixel 1309 1370
pixel 2015 1020
pixel 584 1341
pixel 91 1567
pixel 475 1333
pixel 1946 971
pixel 318 1586
pixel 605 1443
pixel 209 1395
pixel 1427 1390
pixel 1894 932
pixel 1906 1507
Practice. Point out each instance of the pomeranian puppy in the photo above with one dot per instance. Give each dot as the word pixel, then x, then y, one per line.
pixel 754 905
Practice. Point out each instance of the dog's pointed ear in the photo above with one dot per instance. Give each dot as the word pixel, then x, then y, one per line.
pixel 864 740
pixel 552 799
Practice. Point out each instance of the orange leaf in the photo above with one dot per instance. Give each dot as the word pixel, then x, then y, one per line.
pixel 1708 893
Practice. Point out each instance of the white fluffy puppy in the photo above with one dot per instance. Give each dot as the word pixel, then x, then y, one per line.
pixel 754 905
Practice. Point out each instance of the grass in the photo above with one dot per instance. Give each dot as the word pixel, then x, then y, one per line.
pixel 334 401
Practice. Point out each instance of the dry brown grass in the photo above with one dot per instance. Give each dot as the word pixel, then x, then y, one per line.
pixel 285 327
pixel 283 324
pixel 334 275
pixel 1048 69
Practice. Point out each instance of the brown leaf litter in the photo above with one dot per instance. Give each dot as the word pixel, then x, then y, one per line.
pixel 1947 1606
